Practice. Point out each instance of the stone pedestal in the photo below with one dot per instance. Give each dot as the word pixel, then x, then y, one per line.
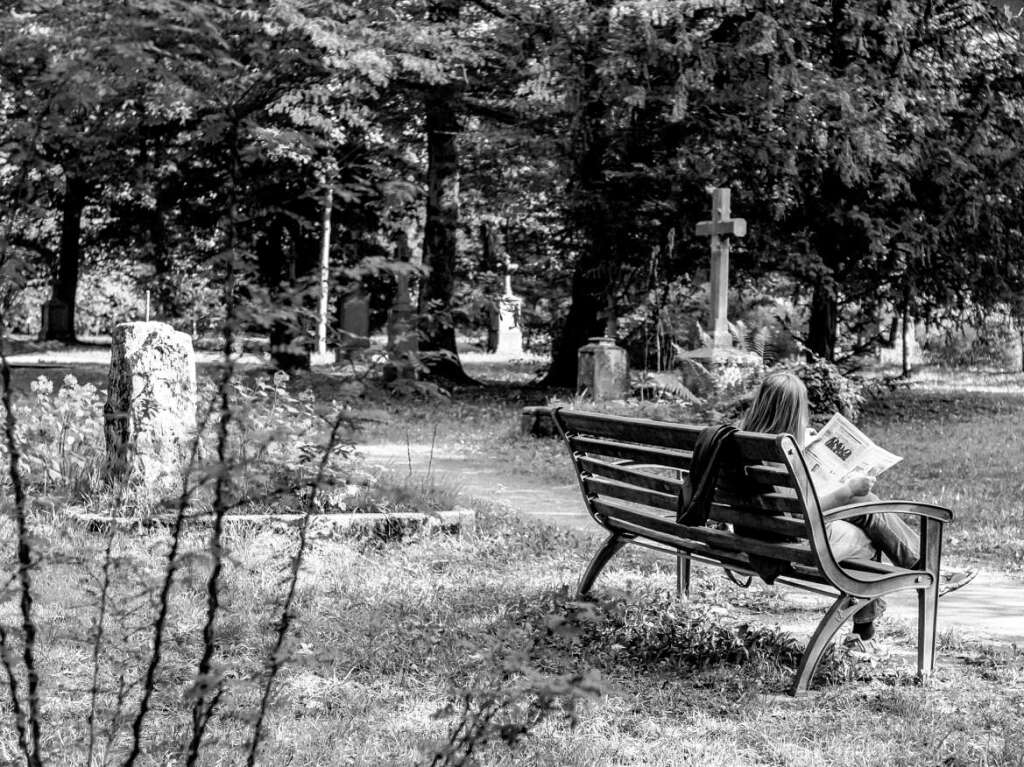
pixel 323 359
pixel 510 332
pixel 56 321
pixel 603 371
pixel 150 414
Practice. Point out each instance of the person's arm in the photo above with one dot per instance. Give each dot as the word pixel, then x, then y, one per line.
pixel 856 487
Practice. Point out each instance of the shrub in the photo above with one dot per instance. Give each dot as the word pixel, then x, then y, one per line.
pixel 828 390
pixel 993 342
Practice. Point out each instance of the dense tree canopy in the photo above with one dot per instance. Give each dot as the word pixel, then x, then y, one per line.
pixel 874 146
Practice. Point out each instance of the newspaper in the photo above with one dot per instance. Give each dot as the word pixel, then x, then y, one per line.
pixel 840 450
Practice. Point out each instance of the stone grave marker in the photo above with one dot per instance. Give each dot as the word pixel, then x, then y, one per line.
pixel 56 321
pixel 354 319
pixel 720 228
pixel 602 365
pixel 698 366
pixel 403 338
pixel 509 340
pixel 150 414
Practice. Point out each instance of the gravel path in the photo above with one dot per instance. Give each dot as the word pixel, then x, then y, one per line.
pixel 990 609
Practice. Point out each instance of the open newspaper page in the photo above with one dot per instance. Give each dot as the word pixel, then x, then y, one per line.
pixel 839 450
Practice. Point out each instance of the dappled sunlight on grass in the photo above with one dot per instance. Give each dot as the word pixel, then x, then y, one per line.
pixel 385 631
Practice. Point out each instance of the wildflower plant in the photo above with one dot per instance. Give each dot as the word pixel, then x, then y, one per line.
pixel 61 434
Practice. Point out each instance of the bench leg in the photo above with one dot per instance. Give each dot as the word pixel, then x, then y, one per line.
pixel 608 549
pixel 683 564
pixel 841 611
pixel 928 599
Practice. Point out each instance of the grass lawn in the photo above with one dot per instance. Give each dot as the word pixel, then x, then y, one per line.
pixel 388 634
pixel 482 628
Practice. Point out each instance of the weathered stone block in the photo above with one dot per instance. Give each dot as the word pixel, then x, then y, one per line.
pixel 603 371
pixel 150 414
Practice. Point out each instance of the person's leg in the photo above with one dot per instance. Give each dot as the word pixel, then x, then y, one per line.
pixel 902 545
pixel 848 541
pixel 892 536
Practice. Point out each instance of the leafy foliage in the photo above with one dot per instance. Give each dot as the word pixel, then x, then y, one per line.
pixel 828 390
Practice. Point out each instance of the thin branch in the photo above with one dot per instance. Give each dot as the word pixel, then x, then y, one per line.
pixel 28 626
pixel 203 710
pixel 163 599
pixel 276 655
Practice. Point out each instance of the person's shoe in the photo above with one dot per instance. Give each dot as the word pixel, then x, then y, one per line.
pixel 863 649
pixel 951 580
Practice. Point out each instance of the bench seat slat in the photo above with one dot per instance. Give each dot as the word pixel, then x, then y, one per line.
pixel 625 492
pixel 656 524
pixel 634 476
pixel 769 475
pixel 753 447
pixel 650 432
pixel 676 459
pixel 775 503
pixel 668 502
pixel 769 523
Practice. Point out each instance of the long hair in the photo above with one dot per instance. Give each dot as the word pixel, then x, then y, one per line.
pixel 779 407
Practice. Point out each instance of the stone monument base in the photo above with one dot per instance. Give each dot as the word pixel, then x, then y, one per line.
pixel 603 371
pixel 323 359
pixel 703 370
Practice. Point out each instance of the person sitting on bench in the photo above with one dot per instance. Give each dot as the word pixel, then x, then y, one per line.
pixel 781 406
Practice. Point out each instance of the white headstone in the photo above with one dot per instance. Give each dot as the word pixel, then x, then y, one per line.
pixel 509 340
pixel 150 415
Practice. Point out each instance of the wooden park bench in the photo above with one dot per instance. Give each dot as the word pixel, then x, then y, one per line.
pixel 631 472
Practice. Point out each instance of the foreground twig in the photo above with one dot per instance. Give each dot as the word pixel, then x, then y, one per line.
pixel 277 654
pixel 30 744
pixel 163 599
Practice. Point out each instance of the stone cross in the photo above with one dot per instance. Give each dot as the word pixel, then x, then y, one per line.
pixel 403 254
pixel 719 229
pixel 402 336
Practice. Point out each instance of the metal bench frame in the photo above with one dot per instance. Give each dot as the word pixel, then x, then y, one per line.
pixel 630 472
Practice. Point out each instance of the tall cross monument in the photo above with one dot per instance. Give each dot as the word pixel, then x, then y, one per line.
pixel 720 228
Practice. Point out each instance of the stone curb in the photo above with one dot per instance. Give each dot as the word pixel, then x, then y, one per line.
pixel 459 520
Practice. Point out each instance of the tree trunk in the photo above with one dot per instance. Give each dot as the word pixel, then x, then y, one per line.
pixel 583 322
pixel 284 264
pixel 821 331
pixel 164 289
pixel 904 336
pixel 437 326
pixel 61 325
pixel 588 215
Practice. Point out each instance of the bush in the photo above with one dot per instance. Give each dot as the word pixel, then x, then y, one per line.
pixel 828 390
pixel 105 298
pixel 994 342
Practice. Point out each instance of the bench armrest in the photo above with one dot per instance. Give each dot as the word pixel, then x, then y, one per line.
pixel 927 510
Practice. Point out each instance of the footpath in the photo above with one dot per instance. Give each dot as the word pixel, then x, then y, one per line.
pixel 991 609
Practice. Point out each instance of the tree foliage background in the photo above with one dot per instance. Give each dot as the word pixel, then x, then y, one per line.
pixel 874 147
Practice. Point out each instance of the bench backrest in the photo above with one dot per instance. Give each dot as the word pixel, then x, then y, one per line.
pixel 631 471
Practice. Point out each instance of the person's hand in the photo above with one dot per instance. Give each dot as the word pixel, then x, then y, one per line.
pixel 860 484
